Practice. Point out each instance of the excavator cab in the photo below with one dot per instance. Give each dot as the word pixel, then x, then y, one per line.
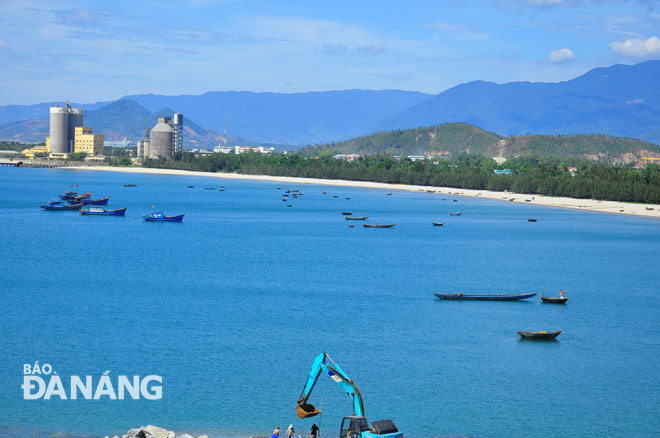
pixel 352 427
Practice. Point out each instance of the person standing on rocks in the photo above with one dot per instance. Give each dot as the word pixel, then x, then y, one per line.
pixel 290 432
pixel 276 432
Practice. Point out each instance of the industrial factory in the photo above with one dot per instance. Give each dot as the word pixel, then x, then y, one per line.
pixel 163 140
pixel 68 135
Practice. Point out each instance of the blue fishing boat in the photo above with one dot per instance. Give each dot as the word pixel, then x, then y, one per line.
pixel 61 206
pixel 99 211
pixel 468 297
pixel 88 201
pixel 68 195
pixel 159 216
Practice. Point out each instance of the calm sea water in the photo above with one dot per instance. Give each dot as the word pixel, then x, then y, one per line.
pixel 231 306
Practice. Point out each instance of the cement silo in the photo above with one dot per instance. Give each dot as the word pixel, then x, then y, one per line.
pixel 161 139
pixel 75 120
pixel 59 129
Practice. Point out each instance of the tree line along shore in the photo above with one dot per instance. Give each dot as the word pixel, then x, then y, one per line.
pixel 561 177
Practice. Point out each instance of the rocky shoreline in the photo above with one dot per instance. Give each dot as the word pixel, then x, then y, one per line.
pixel 151 431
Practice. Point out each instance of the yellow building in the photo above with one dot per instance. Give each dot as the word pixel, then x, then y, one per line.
pixel 86 141
pixel 32 152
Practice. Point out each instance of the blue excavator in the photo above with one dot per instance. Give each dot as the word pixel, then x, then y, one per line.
pixel 354 426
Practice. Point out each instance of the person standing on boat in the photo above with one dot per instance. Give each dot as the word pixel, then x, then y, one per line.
pixel 561 293
pixel 314 431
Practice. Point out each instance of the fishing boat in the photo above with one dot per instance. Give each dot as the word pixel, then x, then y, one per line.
pixel 542 335
pixel 455 213
pixel 130 185
pixel 285 199
pixel 532 219
pixel 87 201
pixel 469 297
pixel 159 216
pixel 356 218
pixel 61 206
pixel 348 198
pixel 325 193
pixel 335 196
pixel 347 213
pixel 209 188
pixel 68 195
pixel 99 211
pixel 81 197
pixel 438 224
pixel 190 187
pixel 289 205
pixel 378 225
pixel 554 300
pixel 388 194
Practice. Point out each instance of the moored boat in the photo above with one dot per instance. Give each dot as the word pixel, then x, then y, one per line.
pixel 88 201
pixel 356 218
pixel 554 300
pixel 495 297
pixel 532 219
pixel 438 224
pixel 130 185
pixel 378 225
pixel 98 211
pixel 68 195
pixel 61 206
pixel 159 216
pixel 541 335
pixel 455 213
pixel 347 213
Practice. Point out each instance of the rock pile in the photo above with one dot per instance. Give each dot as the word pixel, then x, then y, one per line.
pixel 154 432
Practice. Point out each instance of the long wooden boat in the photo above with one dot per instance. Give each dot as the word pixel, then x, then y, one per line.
pixel 438 224
pixel 455 213
pixel 346 213
pixel 554 300
pixel 98 211
pixel 61 206
pixel 532 219
pixel 542 335
pixel 158 216
pixel 356 218
pixel 378 225
pixel 469 297
pixel 79 198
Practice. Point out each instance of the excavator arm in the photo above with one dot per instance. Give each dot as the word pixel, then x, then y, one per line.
pixel 324 364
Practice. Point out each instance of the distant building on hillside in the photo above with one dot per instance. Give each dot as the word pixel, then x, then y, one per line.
pixel 347 157
pixel 242 149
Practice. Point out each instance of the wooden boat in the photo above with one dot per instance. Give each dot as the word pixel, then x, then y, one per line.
pixel 356 218
pixel 388 194
pixel 335 196
pixel 649 208
pixel 455 213
pixel 378 225
pixel 158 216
pixel 346 213
pixel 190 187
pixel 348 198
pixel 209 188
pixel 554 300
pixel 98 211
pixel 351 226
pixel 130 185
pixel 285 199
pixel 468 297
pixel 532 219
pixel 289 205
pixel 542 335
pixel 61 206
pixel 68 195
pixel 438 224
pixel 325 193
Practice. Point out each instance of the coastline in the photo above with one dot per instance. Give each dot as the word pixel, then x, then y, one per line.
pixel 615 207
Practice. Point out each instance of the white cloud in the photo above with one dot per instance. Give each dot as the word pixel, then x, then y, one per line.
pixel 637 48
pixel 561 56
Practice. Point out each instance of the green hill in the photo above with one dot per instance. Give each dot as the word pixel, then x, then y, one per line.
pixel 455 138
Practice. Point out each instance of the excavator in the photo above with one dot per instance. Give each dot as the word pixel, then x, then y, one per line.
pixel 354 426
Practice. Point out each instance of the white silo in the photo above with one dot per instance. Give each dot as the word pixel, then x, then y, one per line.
pixel 59 129
pixel 161 139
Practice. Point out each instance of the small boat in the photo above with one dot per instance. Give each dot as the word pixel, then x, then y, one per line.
pixel 554 300
pixel 356 218
pixel 288 191
pixel 221 190
pixel 285 199
pixel 159 216
pixel 430 191
pixel 191 187
pixel 289 205
pixel 532 219
pixel 222 187
pixel 79 198
pixel 468 297
pixel 130 185
pixel 388 194
pixel 61 206
pixel 438 224
pixel 351 226
pixel 455 200
pixel 279 188
pixel 347 213
pixel 542 335
pixel 209 188
pixel 455 213
pixel 378 225
pixel 335 196
pixel 103 212
pixel 528 200
pixel 649 208
pixel 325 193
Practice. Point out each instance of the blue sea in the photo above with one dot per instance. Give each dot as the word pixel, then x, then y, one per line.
pixel 231 306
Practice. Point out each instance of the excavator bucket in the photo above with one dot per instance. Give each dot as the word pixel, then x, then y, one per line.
pixel 305 410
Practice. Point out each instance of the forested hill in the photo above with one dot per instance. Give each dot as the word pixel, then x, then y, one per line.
pixel 454 138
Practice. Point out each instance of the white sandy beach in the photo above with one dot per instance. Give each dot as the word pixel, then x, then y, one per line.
pixel 547 201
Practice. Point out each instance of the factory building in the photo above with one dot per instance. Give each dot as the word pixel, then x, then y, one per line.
pixel 163 140
pixel 88 142
pixel 63 122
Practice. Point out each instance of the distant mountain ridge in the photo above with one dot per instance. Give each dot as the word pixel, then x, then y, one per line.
pixel 455 138
pixel 621 100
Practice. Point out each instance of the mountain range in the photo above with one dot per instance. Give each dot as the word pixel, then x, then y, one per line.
pixel 620 100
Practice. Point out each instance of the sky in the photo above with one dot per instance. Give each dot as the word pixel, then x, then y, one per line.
pixel 89 51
